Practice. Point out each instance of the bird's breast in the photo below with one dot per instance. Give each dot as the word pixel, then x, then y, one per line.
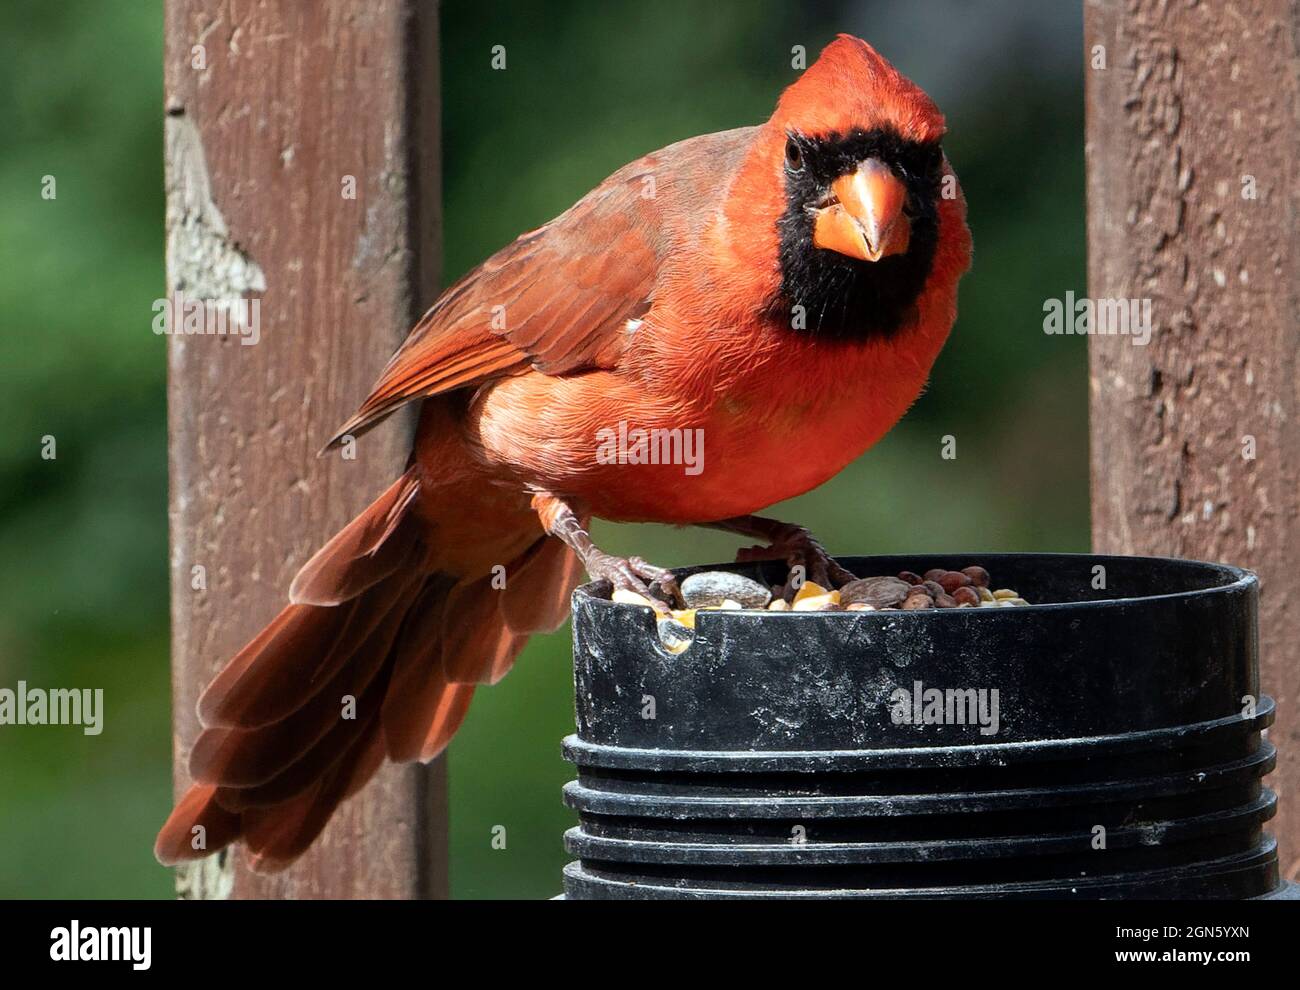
pixel 671 448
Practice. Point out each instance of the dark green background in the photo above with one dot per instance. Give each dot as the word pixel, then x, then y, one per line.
pixel 83 544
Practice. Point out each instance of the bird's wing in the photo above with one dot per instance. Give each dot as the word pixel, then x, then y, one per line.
pixel 557 300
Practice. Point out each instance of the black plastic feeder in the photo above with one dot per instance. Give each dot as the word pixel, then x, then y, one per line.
pixel 1120 757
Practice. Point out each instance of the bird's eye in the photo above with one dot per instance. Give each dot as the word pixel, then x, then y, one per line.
pixel 793 156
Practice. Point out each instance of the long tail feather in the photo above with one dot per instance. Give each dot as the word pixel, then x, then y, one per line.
pixel 362 553
pixel 376 631
pixel 538 587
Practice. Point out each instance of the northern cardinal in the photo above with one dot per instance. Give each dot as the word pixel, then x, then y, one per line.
pixel 784 288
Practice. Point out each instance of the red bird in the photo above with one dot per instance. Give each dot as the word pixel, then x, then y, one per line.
pixel 783 288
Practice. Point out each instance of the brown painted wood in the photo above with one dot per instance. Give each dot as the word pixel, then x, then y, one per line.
pixel 282 101
pixel 1196 101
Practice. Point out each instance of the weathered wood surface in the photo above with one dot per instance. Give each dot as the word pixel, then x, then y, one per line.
pixel 1195 113
pixel 279 103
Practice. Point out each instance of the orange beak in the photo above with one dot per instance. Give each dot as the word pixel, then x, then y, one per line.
pixel 865 219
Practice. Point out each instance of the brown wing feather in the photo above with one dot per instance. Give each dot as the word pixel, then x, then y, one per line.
pixel 551 301
pixel 557 300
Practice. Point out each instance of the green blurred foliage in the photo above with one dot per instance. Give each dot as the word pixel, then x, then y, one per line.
pixel 83 579
pixel 588 87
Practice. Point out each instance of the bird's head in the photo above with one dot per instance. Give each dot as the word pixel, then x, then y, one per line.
pixel 854 173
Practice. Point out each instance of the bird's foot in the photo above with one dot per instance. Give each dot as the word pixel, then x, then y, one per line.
pixel 655 584
pixel 806 558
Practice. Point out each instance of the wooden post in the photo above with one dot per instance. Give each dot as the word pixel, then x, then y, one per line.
pixel 302 171
pixel 1192 203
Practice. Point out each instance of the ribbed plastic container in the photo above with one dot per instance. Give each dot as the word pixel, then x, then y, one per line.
pixel 776 756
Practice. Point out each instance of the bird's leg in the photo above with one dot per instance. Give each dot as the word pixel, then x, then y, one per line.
pixel 629 573
pixel 788 542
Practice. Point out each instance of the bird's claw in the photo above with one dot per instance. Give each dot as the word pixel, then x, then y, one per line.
pixel 633 574
pixel 660 579
pixel 800 549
